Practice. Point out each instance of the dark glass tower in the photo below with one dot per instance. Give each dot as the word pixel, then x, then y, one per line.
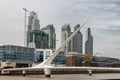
pixel 76 45
pixel 89 43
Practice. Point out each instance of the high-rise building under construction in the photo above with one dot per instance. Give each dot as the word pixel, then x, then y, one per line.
pixel 44 38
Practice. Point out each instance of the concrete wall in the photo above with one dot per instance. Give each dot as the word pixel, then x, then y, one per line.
pixel 5 64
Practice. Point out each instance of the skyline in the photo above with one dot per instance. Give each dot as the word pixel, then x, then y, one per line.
pixel 103 19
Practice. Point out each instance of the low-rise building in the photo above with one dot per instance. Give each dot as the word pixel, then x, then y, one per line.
pixel 74 59
pixel 16 56
pixel 43 54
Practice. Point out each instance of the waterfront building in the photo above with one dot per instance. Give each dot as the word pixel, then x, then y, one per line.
pixel 42 54
pixel 76 45
pixel 50 31
pixel 105 62
pixel 33 25
pixel 89 43
pixel 74 59
pixel 16 56
pixel 65 33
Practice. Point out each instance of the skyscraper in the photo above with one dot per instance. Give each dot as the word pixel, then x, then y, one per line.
pixel 50 31
pixel 33 25
pixel 89 43
pixel 76 45
pixel 38 39
pixel 65 33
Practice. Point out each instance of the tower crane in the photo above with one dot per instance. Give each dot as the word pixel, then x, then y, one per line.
pixel 25 25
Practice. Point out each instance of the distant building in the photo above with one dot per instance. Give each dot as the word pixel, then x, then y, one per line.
pixel 105 62
pixel 33 22
pixel 33 25
pixel 76 45
pixel 42 54
pixel 50 31
pixel 60 59
pixel 38 39
pixel 16 56
pixel 74 59
pixel 89 43
pixel 65 33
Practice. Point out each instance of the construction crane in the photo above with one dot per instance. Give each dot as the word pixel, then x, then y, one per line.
pixel 25 25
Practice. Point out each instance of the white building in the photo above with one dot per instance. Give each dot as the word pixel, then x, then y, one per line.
pixel 42 54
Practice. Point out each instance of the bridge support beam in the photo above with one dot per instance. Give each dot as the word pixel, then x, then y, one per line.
pixel 90 72
pixel 47 72
pixel 24 73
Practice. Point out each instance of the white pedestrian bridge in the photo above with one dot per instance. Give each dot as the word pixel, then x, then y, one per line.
pixel 47 67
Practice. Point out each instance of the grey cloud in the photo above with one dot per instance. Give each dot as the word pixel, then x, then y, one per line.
pixel 100 7
pixel 112 30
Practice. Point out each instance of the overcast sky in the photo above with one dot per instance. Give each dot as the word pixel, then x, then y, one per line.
pixel 103 18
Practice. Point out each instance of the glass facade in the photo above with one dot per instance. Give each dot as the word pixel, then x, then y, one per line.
pixel 39 55
pixel 11 53
pixel 39 38
pixel 42 54
pixel 60 58
pixel 50 30
pixel 65 33
pixel 77 41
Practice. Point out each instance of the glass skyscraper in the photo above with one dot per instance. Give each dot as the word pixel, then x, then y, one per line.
pixel 89 43
pixel 65 33
pixel 76 43
pixel 38 39
pixel 33 25
pixel 50 31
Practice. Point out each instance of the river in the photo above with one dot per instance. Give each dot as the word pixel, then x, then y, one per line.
pixel 110 76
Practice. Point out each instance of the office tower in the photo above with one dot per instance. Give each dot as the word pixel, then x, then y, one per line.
pixel 38 39
pixel 35 37
pixel 76 45
pixel 33 25
pixel 50 31
pixel 65 33
pixel 89 43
